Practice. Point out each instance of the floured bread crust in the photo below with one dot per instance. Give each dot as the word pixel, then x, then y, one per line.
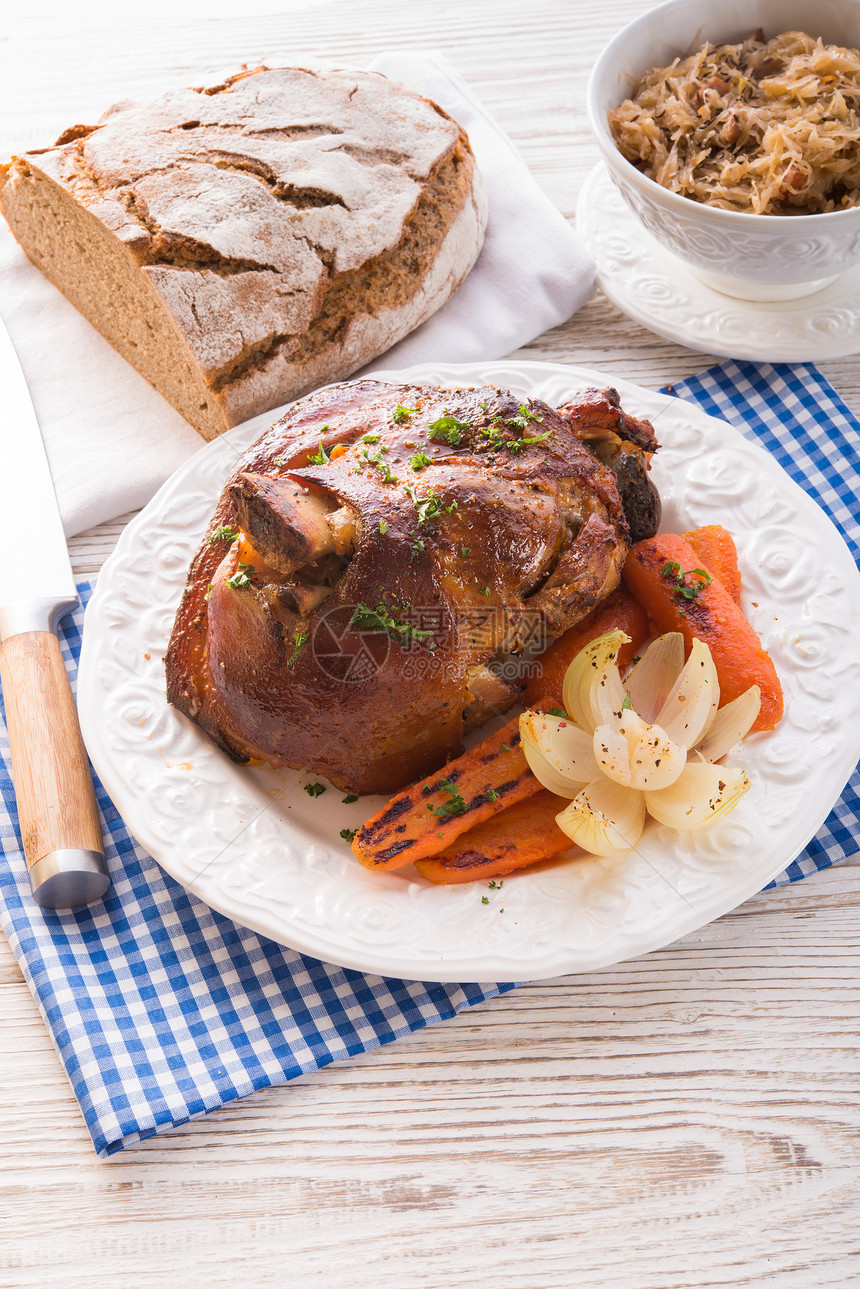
pixel 243 243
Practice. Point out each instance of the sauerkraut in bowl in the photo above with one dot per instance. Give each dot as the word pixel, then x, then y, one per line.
pixel 734 134
pixel 767 126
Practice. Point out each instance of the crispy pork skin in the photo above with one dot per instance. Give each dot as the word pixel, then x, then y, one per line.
pixel 379 557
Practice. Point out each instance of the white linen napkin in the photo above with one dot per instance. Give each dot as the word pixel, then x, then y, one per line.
pixel 112 440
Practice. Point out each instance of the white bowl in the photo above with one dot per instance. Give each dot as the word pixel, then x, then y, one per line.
pixel 754 257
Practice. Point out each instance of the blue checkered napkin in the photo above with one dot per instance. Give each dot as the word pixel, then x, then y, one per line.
pixel 801 420
pixel 162 1009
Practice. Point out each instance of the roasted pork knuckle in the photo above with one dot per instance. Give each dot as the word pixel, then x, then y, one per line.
pixel 381 558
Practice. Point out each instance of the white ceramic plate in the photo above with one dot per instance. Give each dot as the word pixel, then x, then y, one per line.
pixel 656 289
pixel 255 846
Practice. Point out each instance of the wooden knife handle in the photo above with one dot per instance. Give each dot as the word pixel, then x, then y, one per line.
pixel 56 800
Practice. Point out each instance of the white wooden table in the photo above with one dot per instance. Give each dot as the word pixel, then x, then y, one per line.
pixel 687 1119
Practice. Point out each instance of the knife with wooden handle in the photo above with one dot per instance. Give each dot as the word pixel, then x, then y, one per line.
pixel 57 809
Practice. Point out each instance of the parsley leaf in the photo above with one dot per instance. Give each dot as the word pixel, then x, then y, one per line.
pixel 375 459
pixel 314 789
pixel 383 526
pixel 448 429
pixel 242 576
pixel 673 572
pixel 348 834
pixel 349 798
pixel 321 457
pixel 380 620
pixel 427 507
pixel 419 461
pixel 299 641
pixel 455 806
pixel 224 533
pixel 400 413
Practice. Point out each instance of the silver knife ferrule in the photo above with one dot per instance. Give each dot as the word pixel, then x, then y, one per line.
pixel 33 615
pixel 65 879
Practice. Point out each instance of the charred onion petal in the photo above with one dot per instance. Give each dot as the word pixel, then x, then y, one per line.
pixel 604 818
pixel 559 754
pixel 693 702
pixel 636 754
pixel 731 723
pixel 702 794
pixel 592 688
pixel 651 680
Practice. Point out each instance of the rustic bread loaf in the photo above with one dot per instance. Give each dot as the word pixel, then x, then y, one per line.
pixel 243 243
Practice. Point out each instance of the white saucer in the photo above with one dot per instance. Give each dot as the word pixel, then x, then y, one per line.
pixel 655 288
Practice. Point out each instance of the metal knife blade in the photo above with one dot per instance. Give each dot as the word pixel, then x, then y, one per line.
pixel 59 819
pixel 37 586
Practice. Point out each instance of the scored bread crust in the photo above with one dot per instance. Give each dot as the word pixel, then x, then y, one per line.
pixel 243 243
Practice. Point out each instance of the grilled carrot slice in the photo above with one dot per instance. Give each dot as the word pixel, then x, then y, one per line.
pixel 424 819
pixel 621 610
pixel 519 836
pixel 716 551
pixel 658 571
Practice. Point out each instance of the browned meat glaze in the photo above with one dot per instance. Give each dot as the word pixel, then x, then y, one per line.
pixel 377 555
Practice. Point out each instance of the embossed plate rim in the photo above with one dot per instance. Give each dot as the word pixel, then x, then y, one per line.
pixel 696 315
pixel 286 874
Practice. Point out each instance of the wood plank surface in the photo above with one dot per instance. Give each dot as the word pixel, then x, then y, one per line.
pixel 687 1119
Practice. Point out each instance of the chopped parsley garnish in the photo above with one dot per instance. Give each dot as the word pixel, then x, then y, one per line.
pixel 497 886
pixel 417 545
pixel 380 620
pixel 520 421
pixel 300 639
pixel 314 789
pixel 448 429
pixel 224 533
pixel 485 590
pixel 673 572
pixel 449 510
pixel 464 551
pixel 349 798
pixel 557 711
pixel 455 806
pixel 348 834
pixel 492 795
pixel 383 526
pixel 321 457
pixel 370 438
pixel 506 747
pixel 485 899
pixel 400 413
pixel 517 445
pixel 419 461
pixel 627 705
pixel 242 576
pixel 375 459
pixel 427 507
pixel 498 440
